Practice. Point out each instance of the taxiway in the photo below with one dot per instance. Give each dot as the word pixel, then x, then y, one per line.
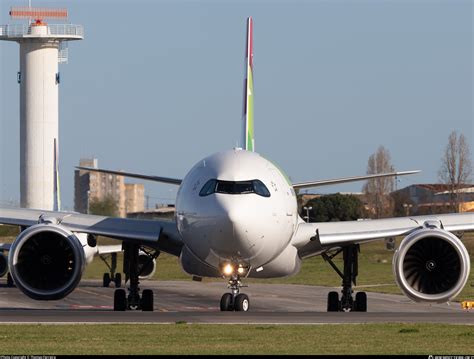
pixel 198 302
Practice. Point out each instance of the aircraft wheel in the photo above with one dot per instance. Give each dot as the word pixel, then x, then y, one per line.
pixel 226 303
pixel 361 302
pixel 242 303
pixel 333 302
pixel 147 300
pixel 118 280
pixel 106 280
pixel 120 300
pixel 10 282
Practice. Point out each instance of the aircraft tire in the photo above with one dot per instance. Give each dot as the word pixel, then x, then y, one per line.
pixel 120 300
pixel 242 303
pixel 118 280
pixel 333 302
pixel 147 300
pixel 106 280
pixel 361 302
pixel 226 303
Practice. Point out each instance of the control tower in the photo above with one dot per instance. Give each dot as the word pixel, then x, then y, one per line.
pixel 42 47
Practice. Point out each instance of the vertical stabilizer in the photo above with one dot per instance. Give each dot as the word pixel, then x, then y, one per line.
pixel 57 199
pixel 248 140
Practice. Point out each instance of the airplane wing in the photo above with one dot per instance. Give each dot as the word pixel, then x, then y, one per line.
pixel 314 238
pixel 161 234
pixel 169 180
pixel 350 179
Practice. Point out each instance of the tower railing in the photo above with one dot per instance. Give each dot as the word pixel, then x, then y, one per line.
pixel 20 30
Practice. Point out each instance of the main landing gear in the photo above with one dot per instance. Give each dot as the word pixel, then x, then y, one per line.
pixel 111 276
pixel 351 265
pixel 235 301
pixel 131 269
pixel 10 282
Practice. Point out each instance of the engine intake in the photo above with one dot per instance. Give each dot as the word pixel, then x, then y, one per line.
pixel 431 265
pixel 46 261
pixel 146 266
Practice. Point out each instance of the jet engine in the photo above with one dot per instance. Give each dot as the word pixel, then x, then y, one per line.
pixel 3 264
pixel 146 267
pixel 46 261
pixel 431 265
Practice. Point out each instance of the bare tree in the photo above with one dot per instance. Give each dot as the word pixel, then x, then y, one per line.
pixel 378 190
pixel 456 167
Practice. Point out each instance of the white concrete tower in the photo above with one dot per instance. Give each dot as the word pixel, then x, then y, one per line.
pixel 42 47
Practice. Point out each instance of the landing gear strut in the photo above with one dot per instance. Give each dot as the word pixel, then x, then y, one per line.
pixel 351 266
pixel 112 276
pixel 131 269
pixel 235 301
pixel 10 282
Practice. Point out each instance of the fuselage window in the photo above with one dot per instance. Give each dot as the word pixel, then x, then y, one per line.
pixel 234 187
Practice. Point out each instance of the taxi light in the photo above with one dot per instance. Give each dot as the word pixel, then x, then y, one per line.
pixel 228 269
pixel 241 270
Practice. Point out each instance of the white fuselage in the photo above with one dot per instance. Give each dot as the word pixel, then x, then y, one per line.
pixel 243 227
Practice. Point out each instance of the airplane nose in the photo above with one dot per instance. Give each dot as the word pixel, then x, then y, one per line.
pixel 234 234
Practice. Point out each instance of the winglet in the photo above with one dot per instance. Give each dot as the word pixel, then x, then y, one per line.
pixel 248 141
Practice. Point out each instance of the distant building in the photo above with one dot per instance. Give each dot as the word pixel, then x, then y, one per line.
pixel 436 198
pixel 90 186
pixel 162 213
pixel 134 197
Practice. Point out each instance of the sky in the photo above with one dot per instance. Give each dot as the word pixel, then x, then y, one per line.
pixel 155 86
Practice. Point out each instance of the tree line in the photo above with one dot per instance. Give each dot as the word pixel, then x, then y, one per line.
pixel 381 200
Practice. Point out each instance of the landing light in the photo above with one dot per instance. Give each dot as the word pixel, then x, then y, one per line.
pixel 228 269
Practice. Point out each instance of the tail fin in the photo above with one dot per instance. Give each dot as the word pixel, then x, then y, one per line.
pixel 57 199
pixel 248 135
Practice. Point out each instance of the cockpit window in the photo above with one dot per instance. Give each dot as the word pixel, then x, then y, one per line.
pixel 208 188
pixel 260 188
pixel 234 187
pixel 231 187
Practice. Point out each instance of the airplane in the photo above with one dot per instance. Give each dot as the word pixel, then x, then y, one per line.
pixel 236 218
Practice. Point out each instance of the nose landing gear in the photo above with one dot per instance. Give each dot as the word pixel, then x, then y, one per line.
pixel 235 301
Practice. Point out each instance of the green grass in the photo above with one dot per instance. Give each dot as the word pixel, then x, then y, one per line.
pixel 181 338
pixel 375 269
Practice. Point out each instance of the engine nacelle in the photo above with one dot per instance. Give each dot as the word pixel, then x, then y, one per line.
pixel 431 265
pixel 146 267
pixel 46 261
pixel 3 264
